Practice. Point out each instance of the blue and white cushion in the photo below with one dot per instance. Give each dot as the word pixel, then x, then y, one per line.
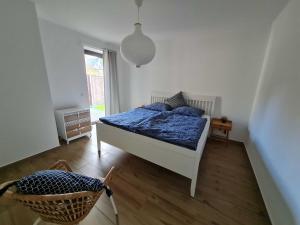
pixel 57 182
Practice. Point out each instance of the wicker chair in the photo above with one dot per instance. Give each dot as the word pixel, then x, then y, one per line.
pixel 64 209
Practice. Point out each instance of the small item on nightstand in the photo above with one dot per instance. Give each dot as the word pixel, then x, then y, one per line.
pixel 224 119
pixel 222 124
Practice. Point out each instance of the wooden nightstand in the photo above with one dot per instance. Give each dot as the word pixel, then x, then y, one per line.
pixel 217 124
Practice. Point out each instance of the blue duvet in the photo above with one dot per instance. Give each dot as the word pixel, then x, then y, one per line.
pixel 166 126
pixel 129 120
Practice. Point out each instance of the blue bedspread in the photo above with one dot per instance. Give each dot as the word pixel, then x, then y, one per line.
pixel 173 128
pixel 129 120
pixel 166 126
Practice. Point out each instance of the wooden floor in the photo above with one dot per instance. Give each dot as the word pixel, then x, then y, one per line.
pixel 146 194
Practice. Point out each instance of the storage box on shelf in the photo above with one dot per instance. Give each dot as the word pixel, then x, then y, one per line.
pixel 73 123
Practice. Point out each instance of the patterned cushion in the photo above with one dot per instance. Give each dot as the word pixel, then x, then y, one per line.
pixel 188 111
pixel 57 182
pixel 176 100
pixel 158 106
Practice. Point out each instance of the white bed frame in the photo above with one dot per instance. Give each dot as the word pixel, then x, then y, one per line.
pixel 176 158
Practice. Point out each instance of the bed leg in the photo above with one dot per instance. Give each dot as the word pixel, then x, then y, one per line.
pixel 193 187
pixel 98 139
pixel 99 148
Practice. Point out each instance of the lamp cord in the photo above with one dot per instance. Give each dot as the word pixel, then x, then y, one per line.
pixel 138 14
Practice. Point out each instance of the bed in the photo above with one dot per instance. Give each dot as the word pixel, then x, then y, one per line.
pixel 180 159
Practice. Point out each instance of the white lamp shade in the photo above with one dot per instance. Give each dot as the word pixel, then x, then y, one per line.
pixel 137 48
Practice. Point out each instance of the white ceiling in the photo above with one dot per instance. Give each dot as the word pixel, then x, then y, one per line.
pixel 111 20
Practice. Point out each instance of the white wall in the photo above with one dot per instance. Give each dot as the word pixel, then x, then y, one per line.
pixel 63 50
pixel 274 146
pixel 220 63
pixel 26 115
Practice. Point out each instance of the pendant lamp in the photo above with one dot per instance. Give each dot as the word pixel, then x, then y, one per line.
pixel 137 48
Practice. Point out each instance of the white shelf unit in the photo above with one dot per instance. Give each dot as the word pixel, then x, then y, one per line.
pixel 73 123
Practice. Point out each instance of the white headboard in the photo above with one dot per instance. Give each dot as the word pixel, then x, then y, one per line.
pixel 207 103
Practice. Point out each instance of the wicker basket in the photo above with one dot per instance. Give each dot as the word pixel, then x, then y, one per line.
pixel 65 209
